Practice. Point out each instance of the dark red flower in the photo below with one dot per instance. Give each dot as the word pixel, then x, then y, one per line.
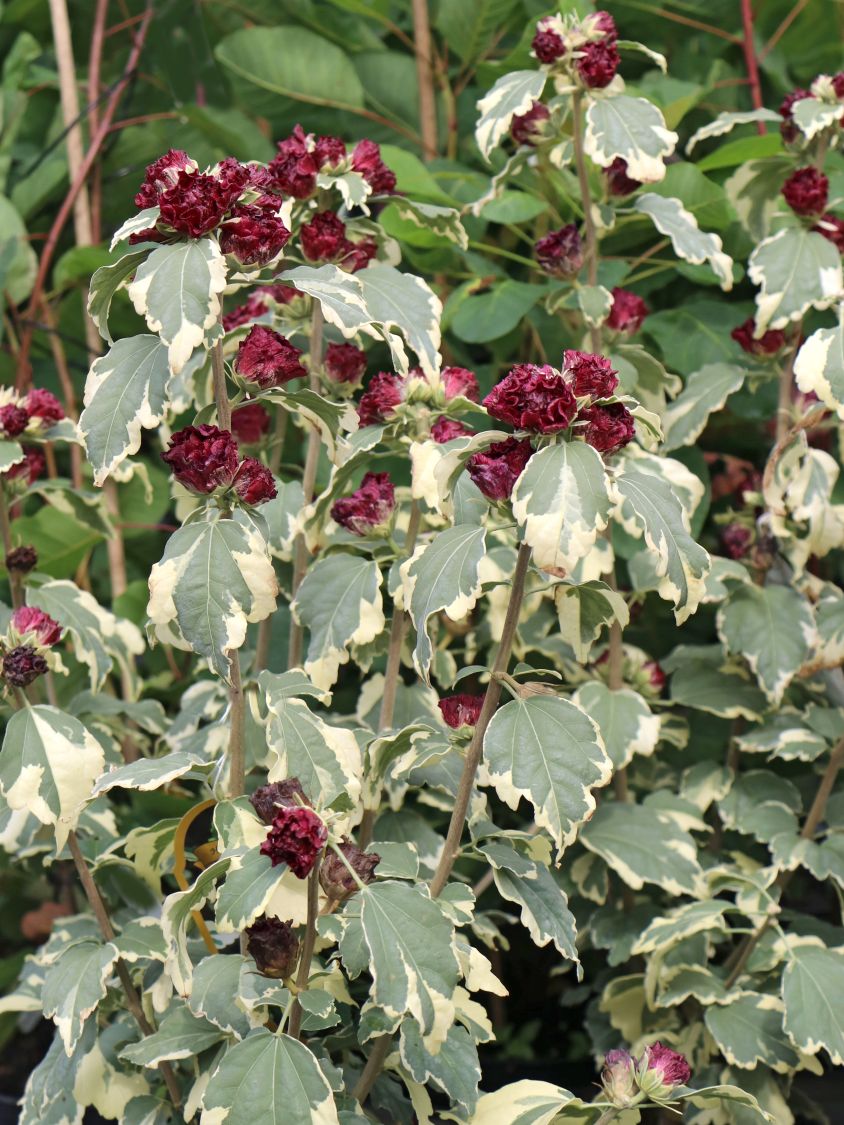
pixel 13 419
pixel 608 428
pixel 294 168
pixel 30 468
pixel 357 255
pixel 195 204
pixel 661 1070
pixel 253 232
pixel 537 399
pixel 618 182
pixel 22 559
pixel 344 363
pixel 461 710
pixel 268 799
pixel 529 128
pixel 366 159
pixel 598 63
pixel 22 665
pixel 202 458
pixel 547 44
pixel 655 674
pixel 447 429
pixel 161 175
pixel 628 312
pixel 832 228
pixel 296 838
pixel 383 394
pixel 336 879
pixel 254 483
pixel 806 191
pixel 40 625
pixel 460 381
pixel 253 307
pixel 589 374
pixel 603 23
pixel 788 129
pixel 44 406
pixel 274 947
pixel 369 508
pixel 267 358
pixel 497 469
pixel 329 152
pixel 768 344
pixel 234 178
pixel 250 422
pixel 736 540
pixel 324 237
pixel 560 253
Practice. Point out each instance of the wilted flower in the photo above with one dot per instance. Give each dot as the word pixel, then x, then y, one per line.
pixel 628 312
pixel 529 128
pixel 44 406
pixel 806 191
pixel 497 469
pixel 447 429
pixel 547 44
pixel 608 428
pixel 736 540
pixel 383 394
pixel 296 837
pixel 22 559
pixel 369 509
pixel 202 458
pixel 461 710
pixel 619 1078
pixel 253 232
pixel 22 665
pixel 660 1071
pixel 560 253
pixel 334 876
pixel 13 419
pixel 589 374
pixel 253 482
pixel 366 159
pixel 768 344
pixel 537 399
pixel 344 363
pixel 274 947
pixel 618 182
pixel 34 626
pixel 268 799
pixel 250 422
pixel 267 358
pixel 598 63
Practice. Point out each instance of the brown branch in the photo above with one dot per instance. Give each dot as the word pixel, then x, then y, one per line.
pixel 591 247
pixel 425 78
pixel 306 956
pixel 783 28
pixel 750 61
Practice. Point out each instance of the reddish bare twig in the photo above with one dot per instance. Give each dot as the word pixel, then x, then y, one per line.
pixel 749 48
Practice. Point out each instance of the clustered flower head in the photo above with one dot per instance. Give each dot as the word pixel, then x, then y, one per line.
pixel 369 510
pixel 26 647
pixel 29 625
pixel 589 374
pixel 324 239
pixel 770 343
pixel 496 470
pixel 205 459
pixel 250 423
pixel 344 363
pixel 301 158
pixel 386 391
pixel 334 876
pixel 585 47
pixel 447 429
pixel 274 947
pixel 296 837
pixel 259 303
pixel 806 191
pixel 35 413
pixel 461 710
pixel 267 358
pixel 656 1074
pixel 560 253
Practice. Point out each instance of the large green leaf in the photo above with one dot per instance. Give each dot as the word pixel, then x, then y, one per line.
pixel 492 313
pixel 181 1035
pixel 454 1068
pixel 549 751
pixel 271 1079
pixel 749 1030
pixel 214 578
pixel 326 759
pixel 106 281
pixel 690 243
pixel 632 128
pixel 643 846
pixel 250 883
pixel 74 986
pixel 627 725
pixel 513 93
pixel 705 392
pixel 214 994
pixel 562 500
pixel 705 680
pixel 812 987
pixel 18 260
pixel 796 269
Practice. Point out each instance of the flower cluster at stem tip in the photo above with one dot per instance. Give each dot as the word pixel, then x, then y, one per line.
pixel 31 415
pixel 27 646
pixel 656 1074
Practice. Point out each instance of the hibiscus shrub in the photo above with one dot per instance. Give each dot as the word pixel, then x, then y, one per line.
pixel 455 644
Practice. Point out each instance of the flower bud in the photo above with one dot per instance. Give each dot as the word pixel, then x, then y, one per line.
pixel 253 232
pixel 608 428
pixel 598 63
pixel 267 358
pixel 29 625
pixel 537 399
pixel 13 420
pixel 274 947
pixel 461 710
pixel 344 363
pixel 529 128
pixel 618 182
pixel 548 44
pixel 161 175
pixel 366 159
pixel 22 559
pixel 831 227
pixel 268 799
pixel 202 458
pixel 383 394
pixel 369 509
pixel 296 837
pixel 560 253
pixel 447 429
pixel 324 237
pixel 294 168
pixel 806 191
pixel 22 665
pixel 250 422
pixel 660 1071
pixel 764 346
pixel 619 1078
pixel 628 312
pixel 44 407
pixel 736 540
pixel 334 876
pixel 254 483
pixel 497 469
pixel 589 374
pixel 460 381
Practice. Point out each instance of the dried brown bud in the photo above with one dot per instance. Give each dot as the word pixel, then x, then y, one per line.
pixel 274 946
pixel 334 876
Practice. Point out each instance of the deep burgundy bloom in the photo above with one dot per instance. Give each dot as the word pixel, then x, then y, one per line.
pixel 253 232
pixel 589 374
pixel 619 1078
pixel 460 381
pixel 336 879
pixel 529 128
pixel 161 175
pixel 250 423
pixel 608 428
pixel 13 419
pixel 598 63
pixel 329 152
pixel 838 84
pixel 736 540
pixel 383 394
pixel 22 665
pixel 806 191
pixel 268 799
pixel 366 159
pixel 497 469
pixel 324 237
pixel 274 947
pixel 296 838
pixel 344 363
pixel 832 228
pixel 254 483
pixel 44 406
pixel 618 182
pixel 30 468
pixel 768 344
pixel 628 312
pixel 560 253
pixel 22 559
pixel 234 178
pixel 28 619
pixel 294 168
pixel 202 458
pixel 267 358
pixel 605 24
pixel 788 129
pixel 547 44
pixel 537 399
pixel 661 1070
pixel 461 710
pixel 447 429
pixel 356 256
pixel 369 507
pixel 195 204
pixel 253 307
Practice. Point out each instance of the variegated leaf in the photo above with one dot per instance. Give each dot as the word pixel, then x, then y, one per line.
pixel 143 220
pixel 250 883
pixel 562 500
pixel 176 918
pixel 627 725
pixel 819 367
pixel 773 628
pixel 148 773
pixel 74 985
pixel 595 302
pixel 549 751
pixel 326 417
pixel 405 310
pixel 674 926
pixel 643 846
pixel 632 128
pixel 177 290
pixel 812 984
pixel 584 611
pixel 513 93
pixel 10 454
pixel 268 1078
pixel 214 578
pixel 705 392
pixel 812 116
pixel 442 575
pixel 703 678
pixel 713 1098
pixel 181 1035
pixel 340 604
pixel 796 269
pixel 214 994
pixel 726 122
pixel 444 221
pixel 454 1068
pixel 126 391
pixel 530 1102
pixel 48 766
pixel 106 281
pixel 749 1030
pixel 690 243
pixel 326 759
